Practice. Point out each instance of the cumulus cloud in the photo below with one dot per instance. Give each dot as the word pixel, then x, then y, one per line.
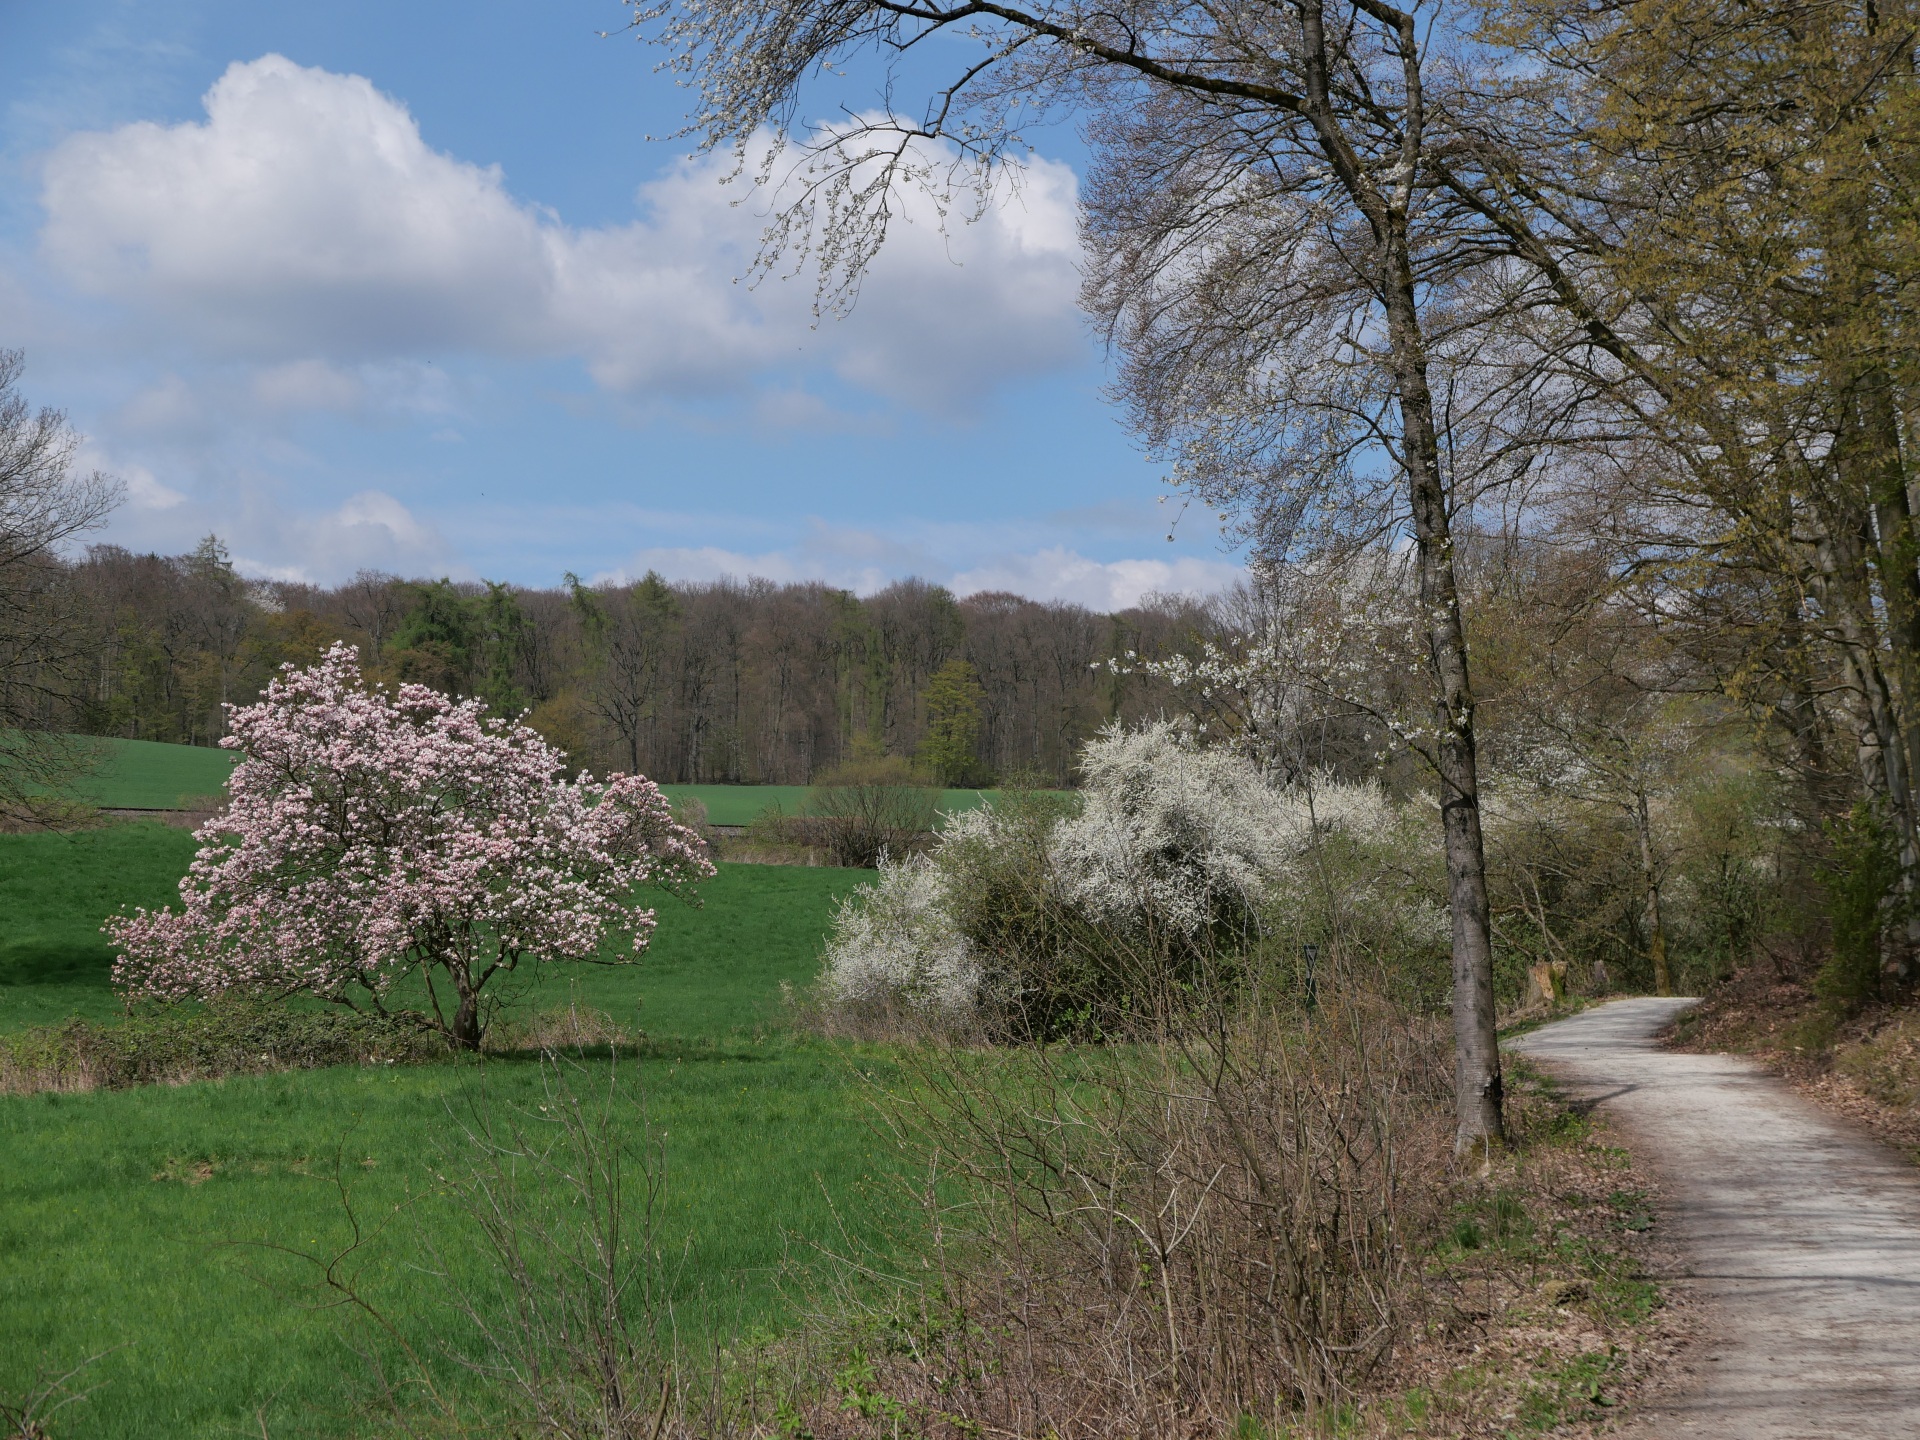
pixel 864 562
pixel 306 223
pixel 271 539
pixel 1058 573
pixel 847 557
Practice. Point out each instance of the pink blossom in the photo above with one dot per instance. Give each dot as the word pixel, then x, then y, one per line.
pixel 370 836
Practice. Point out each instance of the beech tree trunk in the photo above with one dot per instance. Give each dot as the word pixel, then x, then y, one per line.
pixel 1478 1092
pixel 1386 199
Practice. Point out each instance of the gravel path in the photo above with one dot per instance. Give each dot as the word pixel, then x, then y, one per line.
pixel 1801 1235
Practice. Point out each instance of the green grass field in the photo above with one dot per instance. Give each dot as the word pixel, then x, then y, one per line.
pixel 123 1215
pixel 742 804
pixel 146 775
pixel 54 892
pixel 143 775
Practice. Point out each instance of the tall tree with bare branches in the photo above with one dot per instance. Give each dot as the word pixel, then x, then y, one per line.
pixel 1302 303
pixel 44 638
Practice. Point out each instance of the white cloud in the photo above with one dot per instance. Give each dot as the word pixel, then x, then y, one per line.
pixel 849 557
pixel 864 562
pixel 308 385
pixel 1061 574
pixel 271 539
pixel 306 222
pixel 144 492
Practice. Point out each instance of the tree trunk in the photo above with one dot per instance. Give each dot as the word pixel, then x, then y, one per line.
pixel 1846 591
pixel 1386 199
pixel 1650 877
pixel 465 1034
pixel 1895 555
pixel 1478 1092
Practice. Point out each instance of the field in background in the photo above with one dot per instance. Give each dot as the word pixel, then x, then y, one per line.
pixel 55 890
pixel 144 775
pixel 742 804
pixel 122 1213
pixel 708 970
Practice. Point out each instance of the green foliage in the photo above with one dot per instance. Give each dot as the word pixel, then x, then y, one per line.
pixel 1860 874
pixel 955 701
pixel 1372 909
pixel 1568 883
pixel 506 640
pixel 1733 879
pixel 438 641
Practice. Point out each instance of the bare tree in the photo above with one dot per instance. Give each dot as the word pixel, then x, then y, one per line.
pixel 44 635
pixel 1263 174
pixel 374 603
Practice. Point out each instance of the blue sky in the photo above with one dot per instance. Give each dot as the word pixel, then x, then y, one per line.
pixel 406 286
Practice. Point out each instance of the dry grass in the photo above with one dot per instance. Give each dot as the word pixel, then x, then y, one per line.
pixel 570 1027
pixel 756 848
pixel 231 1036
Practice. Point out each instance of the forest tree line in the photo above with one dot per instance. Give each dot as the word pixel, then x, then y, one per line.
pixel 726 681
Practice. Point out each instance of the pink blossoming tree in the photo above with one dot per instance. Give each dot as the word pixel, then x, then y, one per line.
pixel 374 837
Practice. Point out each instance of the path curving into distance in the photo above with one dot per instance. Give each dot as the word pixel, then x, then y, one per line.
pixel 1801 1234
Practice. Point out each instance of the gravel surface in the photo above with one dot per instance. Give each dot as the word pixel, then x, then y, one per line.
pixel 1802 1236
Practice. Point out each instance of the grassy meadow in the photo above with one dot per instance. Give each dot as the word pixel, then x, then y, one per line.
pixel 126 1217
pixel 144 775
pixel 743 804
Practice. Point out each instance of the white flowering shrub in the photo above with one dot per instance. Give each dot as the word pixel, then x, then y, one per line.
pixel 1174 854
pixel 895 943
pixel 1171 831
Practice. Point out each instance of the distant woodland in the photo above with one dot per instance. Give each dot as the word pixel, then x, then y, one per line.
pixel 727 681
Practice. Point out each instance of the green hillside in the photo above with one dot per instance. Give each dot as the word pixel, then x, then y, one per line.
pixel 146 775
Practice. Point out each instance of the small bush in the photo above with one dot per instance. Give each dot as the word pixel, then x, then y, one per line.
pixel 896 944
pixel 230 1036
pixel 869 808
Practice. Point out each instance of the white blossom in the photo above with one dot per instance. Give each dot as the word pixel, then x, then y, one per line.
pixel 894 941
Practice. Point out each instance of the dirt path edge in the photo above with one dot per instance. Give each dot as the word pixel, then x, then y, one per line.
pixel 1802 1235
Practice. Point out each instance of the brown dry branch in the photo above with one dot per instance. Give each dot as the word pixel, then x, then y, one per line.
pixel 30 1415
pixel 1248 1228
pixel 1218 1219
pixel 865 809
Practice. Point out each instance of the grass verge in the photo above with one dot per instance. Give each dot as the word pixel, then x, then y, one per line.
pixel 1543 1314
